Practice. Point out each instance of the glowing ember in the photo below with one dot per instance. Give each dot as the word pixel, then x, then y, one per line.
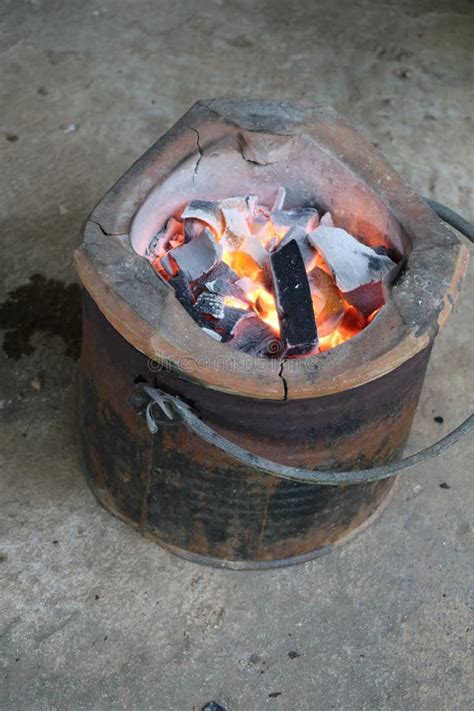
pixel 218 257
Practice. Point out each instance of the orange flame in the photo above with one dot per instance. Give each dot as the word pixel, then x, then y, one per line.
pixel 261 300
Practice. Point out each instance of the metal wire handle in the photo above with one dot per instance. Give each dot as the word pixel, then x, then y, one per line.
pixel 171 405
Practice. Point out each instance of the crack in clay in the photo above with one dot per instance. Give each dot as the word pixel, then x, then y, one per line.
pixel 285 384
pixel 104 232
pixel 200 150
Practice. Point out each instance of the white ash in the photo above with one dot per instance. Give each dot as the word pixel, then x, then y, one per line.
pixel 326 220
pixel 211 305
pixel 236 225
pixel 352 263
pixel 254 248
pixel 208 212
pixel 305 217
pixel 197 257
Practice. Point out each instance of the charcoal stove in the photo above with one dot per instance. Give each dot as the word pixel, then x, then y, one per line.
pixel 217 455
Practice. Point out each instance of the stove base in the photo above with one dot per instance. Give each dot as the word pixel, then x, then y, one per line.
pixel 200 503
pixel 268 564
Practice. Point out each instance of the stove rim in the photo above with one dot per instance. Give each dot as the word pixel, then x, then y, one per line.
pixel 94 267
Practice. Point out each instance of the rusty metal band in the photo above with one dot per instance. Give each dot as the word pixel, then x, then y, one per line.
pixel 171 405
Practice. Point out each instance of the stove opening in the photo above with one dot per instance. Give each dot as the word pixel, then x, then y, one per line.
pixel 270 280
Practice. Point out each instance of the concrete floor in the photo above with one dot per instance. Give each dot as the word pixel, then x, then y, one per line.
pixel 91 615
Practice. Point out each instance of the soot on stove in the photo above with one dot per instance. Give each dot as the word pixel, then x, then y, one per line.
pixel 271 281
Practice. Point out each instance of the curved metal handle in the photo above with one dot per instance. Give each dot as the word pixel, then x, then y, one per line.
pixel 170 404
pixel 304 475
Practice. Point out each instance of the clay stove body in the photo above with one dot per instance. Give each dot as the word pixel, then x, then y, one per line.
pixel 349 408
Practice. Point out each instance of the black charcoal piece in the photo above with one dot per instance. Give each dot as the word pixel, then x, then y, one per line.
pixel 208 212
pixel 306 217
pixel 225 288
pixel 293 299
pixel 222 270
pixel 227 324
pixel 219 280
pixel 252 335
pixel 300 236
pixel 210 305
pixel 197 257
pixel 182 291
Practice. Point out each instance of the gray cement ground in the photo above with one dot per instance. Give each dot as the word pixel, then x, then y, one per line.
pixel 91 615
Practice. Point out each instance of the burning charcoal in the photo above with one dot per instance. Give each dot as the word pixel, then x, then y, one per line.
pixel 327 301
pixel 197 257
pixel 182 291
pixel 244 205
pixel 227 324
pixel 160 243
pixel 208 212
pixel 253 247
pixel 368 298
pixel 306 217
pixel 220 274
pixel 246 284
pixel 279 200
pixel 236 215
pixel 326 220
pixel 360 272
pixel 259 216
pixel 252 335
pixel 293 299
pixel 192 229
pixel 210 305
pixel 301 238
pixel 177 241
pixel 268 235
pixel 222 271
pixel 224 287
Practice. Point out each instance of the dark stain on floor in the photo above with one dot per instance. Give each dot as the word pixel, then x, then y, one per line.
pixel 41 306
